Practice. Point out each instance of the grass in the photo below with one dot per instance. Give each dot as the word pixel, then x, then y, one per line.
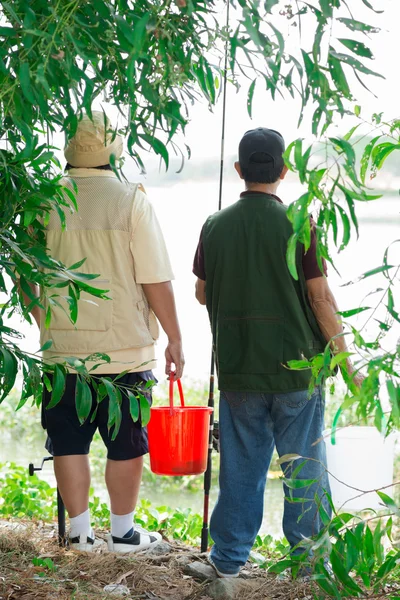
pixel 33 567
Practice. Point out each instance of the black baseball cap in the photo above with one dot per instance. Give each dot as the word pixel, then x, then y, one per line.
pixel 261 148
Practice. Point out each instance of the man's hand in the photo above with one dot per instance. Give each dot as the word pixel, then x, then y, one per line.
pixel 357 378
pixel 174 355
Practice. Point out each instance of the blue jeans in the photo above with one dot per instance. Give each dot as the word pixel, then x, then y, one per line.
pixel 250 425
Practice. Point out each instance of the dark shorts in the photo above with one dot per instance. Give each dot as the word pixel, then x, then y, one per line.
pixel 66 436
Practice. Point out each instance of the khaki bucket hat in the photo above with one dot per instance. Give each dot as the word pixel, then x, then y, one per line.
pixel 92 144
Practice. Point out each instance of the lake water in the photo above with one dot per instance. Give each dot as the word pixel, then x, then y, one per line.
pixel 182 209
pixel 11 449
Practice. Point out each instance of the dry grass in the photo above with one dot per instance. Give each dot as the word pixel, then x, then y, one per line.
pixel 83 576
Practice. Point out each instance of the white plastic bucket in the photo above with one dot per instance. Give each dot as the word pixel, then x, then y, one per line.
pixel 363 459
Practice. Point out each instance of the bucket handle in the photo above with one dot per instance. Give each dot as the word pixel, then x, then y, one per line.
pixel 171 393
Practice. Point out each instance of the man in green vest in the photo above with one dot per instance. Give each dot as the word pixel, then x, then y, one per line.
pixel 261 318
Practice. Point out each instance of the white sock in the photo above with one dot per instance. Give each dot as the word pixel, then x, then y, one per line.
pixel 121 524
pixel 80 524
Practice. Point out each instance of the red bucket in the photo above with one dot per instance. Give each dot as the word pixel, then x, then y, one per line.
pixel 178 437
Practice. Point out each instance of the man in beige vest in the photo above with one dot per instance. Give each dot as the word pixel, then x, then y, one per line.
pixel 117 231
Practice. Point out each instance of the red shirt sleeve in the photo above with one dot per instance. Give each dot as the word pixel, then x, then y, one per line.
pixel 310 263
pixel 198 263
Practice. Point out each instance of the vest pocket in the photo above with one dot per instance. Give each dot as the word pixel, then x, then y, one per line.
pixel 250 344
pixel 94 314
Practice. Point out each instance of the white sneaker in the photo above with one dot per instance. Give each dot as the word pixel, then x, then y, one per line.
pixel 82 542
pixel 135 540
pixel 219 573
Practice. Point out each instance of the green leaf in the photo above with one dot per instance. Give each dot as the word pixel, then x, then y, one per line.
pixel 48 318
pixel 353 311
pixel 114 407
pixel 115 413
pixel 288 458
pixel 99 293
pixel 381 269
pixel 98 356
pixel 250 97
pixel 133 406
pixel 369 546
pixel 126 29
pixel 338 358
pixel 350 132
pixel 25 81
pixel 279 37
pixel 369 5
pixel 46 346
pixel 83 399
pixel 280 566
pixel 346 227
pixel 158 147
pixel 73 304
pixel 144 409
pixel 110 388
pixel 326 8
pixel 366 156
pixel 58 385
pixel 345 147
pixel 394 396
pixel 286 156
pixel 8 32
pixel 341 573
pixel 353 62
pixel 390 564
pixel 77 265
pixel 210 82
pixel 139 32
pixel 7 7
pixel 296 484
pixel 381 152
pixel 269 4
pixel 9 370
pixel 358 25
pixel 299 364
pixel 357 47
pixel 291 256
pixel 298 154
pixel 390 306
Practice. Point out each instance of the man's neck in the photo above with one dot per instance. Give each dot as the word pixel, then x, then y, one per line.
pixel 265 188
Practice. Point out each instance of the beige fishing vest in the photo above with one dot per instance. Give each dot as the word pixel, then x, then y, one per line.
pixel 101 231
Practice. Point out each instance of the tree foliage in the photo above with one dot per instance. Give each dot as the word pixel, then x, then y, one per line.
pixel 153 59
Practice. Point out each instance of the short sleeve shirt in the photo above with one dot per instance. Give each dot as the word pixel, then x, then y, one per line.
pixel 150 255
pixel 311 268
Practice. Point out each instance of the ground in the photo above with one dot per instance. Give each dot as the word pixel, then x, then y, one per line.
pixel 33 567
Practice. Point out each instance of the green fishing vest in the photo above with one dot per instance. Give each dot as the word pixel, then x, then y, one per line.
pixel 260 316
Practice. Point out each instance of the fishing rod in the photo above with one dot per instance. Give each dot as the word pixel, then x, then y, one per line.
pixel 208 473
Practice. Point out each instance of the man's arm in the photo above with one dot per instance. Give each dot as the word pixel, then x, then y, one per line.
pixel 200 291
pixel 200 271
pixel 162 302
pixel 325 309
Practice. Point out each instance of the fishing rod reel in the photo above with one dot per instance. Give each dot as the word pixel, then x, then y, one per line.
pixel 32 468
